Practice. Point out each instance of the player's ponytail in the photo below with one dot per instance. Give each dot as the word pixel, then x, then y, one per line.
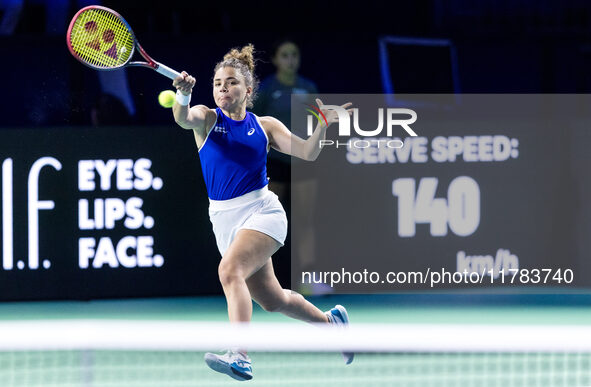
pixel 244 55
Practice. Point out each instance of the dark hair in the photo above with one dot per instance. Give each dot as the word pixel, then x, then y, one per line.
pixel 280 42
pixel 243 61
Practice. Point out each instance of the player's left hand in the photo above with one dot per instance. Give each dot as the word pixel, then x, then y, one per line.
pixel 330 114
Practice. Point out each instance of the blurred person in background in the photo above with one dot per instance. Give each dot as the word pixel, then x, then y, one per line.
pixel 275 99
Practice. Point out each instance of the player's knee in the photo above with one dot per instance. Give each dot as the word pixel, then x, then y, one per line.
pixel 275 304
pixel 228 274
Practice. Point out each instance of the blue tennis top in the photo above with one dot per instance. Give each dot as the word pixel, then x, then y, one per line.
pixel 234 157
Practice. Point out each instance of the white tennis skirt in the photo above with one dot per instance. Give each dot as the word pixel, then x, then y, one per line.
pixel 258 210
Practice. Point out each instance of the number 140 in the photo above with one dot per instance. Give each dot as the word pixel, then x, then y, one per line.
pixel 460 210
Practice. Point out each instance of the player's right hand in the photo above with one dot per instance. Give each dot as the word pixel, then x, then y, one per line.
pixel 184 83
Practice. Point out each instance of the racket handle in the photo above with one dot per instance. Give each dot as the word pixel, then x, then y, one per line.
pixel 167 71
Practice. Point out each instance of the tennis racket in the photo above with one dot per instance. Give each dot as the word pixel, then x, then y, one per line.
pixel 101 39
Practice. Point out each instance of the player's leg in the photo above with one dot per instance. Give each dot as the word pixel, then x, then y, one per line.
pixel 250 250
pixel 266 290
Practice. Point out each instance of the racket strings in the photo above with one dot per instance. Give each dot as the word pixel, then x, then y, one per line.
pixel 101 39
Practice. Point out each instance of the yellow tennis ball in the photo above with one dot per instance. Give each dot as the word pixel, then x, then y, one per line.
pixel 166 98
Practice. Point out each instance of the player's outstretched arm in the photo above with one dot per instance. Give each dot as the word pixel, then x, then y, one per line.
pixel 286 142
pixel 187 117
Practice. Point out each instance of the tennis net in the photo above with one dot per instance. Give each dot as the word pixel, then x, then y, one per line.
pixel 170 353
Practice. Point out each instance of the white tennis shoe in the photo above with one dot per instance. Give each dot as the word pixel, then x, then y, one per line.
pixel 339 317
pixel 234 364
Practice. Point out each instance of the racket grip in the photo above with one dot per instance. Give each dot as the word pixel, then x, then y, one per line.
pixel 167 71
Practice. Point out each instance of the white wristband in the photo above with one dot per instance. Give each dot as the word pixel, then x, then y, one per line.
pixel 182 99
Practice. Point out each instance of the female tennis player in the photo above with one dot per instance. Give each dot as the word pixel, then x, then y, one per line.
pixel 248 220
